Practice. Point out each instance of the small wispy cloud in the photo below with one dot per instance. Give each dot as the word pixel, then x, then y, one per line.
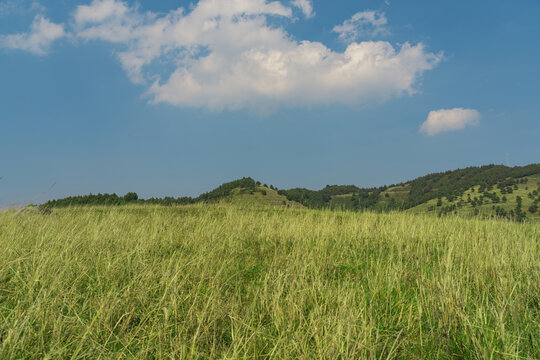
pixel 306 6
pixel 363 24
pixel 38 40
pixel 449 120
pixel 42 34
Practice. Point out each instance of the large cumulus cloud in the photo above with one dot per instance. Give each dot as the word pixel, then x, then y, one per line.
pixel 229 54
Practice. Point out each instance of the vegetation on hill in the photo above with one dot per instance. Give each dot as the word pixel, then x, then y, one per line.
pixel 260 197
pixel 454 183
pixel 442 193
pixel 226 189
pixel 491 183
pixel 516 200
pixel 113 199
pixel 220 281
pixel 217 194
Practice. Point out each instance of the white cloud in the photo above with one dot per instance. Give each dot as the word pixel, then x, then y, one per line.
pixel 302 74
pixel 99 11
pixel 38 40
pixel 306 6
pixel 362 24
pixel 449 120
pixel 225 54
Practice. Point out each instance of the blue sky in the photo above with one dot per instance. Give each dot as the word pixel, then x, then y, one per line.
pixel 112 96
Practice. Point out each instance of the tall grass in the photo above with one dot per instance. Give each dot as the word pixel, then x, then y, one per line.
pixel 242 283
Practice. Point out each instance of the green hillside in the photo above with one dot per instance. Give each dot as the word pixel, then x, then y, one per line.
pixel 490 202
pixel 486 191
pixel 260 196
pixel 245 191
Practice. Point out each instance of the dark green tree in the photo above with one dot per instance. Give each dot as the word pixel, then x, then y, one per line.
pixel 131 196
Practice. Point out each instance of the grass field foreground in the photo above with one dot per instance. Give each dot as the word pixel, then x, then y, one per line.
pixel 231 282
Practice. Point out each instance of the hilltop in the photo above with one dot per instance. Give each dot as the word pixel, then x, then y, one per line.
pixel 242 191
pixel 488 191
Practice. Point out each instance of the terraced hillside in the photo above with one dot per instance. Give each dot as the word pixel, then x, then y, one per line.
pixel 260 196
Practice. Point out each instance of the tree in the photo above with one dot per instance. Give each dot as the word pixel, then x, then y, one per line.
pixel 131 196
pixel 534 207
pixel 519 214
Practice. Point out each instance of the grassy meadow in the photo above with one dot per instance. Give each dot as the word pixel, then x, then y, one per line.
pixel 227 281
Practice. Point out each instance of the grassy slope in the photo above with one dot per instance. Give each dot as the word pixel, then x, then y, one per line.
pixel 341 202
pixel 226 281
pixel 400 194
pixel 260 197
pixel 487 208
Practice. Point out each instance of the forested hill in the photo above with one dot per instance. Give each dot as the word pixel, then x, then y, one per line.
pixel 492 190
pixel 507 190
pixel 449 184
pixel 454 183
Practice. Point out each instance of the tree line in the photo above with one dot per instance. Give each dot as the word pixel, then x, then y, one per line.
pixel 132 198
pixel 450 184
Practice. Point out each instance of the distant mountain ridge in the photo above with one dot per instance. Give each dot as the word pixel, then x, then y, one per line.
pixel 490 184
